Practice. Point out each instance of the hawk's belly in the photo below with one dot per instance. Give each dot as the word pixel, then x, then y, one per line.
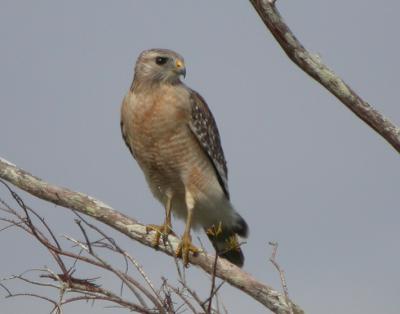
pixel 174 164
pixel 173 161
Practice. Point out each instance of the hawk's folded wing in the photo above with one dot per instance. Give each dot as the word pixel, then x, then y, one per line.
pixel 203 126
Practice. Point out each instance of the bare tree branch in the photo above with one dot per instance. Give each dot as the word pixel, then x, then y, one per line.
pixel 313 66
pixel 272 299
pixel 86 289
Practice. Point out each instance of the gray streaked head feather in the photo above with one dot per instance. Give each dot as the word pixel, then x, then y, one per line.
pixel 147 71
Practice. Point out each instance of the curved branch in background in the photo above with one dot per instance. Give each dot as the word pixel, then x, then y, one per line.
pixel 313 66
pixel 270 298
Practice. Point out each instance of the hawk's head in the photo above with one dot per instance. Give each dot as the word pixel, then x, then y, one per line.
pixel 159 65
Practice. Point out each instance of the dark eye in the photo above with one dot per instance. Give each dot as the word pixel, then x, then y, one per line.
pixel 161 60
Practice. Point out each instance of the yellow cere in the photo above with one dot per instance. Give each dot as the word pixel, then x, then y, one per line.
pixel 179 64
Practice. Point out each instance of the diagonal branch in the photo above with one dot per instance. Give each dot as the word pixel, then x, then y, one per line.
pixel 272 299
pixel 313 66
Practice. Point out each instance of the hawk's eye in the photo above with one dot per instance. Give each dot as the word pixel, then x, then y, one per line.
pixel 161 60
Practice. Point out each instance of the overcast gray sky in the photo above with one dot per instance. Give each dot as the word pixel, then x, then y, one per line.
pixel 304 171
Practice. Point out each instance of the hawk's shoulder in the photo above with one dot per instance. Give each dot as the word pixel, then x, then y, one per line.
pixel 204 127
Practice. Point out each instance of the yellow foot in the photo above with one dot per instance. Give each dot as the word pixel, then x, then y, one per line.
pixel 185 247
pixel 163 230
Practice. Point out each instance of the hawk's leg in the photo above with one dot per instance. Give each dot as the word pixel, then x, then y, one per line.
pixel 185 246
pixel 165 229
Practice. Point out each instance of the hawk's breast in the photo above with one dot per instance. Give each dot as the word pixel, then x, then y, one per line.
pixel 165 148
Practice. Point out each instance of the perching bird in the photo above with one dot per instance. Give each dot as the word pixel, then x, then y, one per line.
pixel 172 134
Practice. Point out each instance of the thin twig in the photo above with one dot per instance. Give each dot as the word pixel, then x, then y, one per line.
pixel 281 274
pixel 131 283
pixel 184 299
pixel 88 244
pixel 126 257
pixel 212 283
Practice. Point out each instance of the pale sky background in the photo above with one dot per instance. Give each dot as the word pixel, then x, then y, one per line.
pixel 304 171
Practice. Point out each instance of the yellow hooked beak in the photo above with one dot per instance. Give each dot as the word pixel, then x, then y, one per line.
pixel 180 66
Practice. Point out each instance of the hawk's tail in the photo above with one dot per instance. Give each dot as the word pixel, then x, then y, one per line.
pixel 225 240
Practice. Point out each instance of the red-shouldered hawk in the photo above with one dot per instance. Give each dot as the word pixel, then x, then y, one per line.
pixel 172 134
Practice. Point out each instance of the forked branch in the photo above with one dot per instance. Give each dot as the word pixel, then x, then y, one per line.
pixel 140 294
